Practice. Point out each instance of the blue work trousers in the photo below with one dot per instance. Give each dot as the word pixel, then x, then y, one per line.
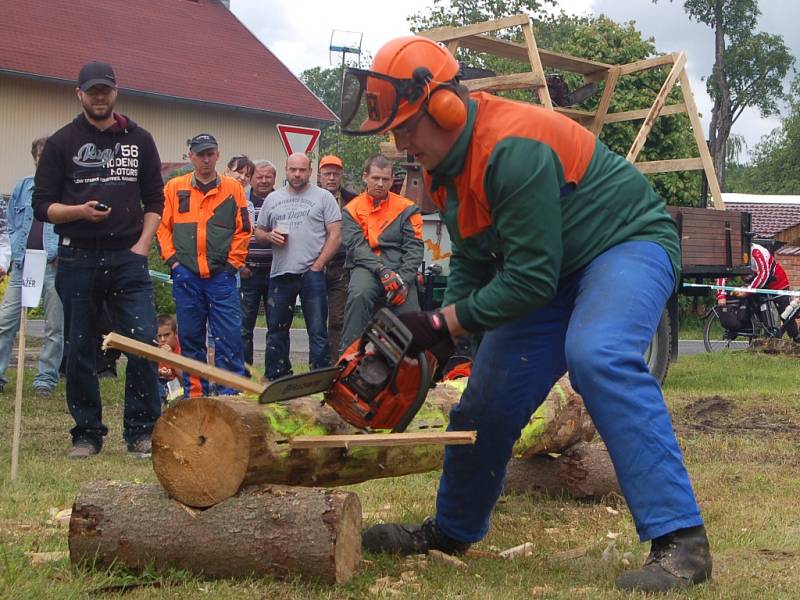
pixel 84 280
pixel 214 301
pixel 283 292
pixel 597 328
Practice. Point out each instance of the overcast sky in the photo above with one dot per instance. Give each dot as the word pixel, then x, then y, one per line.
pixel 299 33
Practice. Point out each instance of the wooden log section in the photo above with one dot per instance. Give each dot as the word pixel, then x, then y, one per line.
pixel 275 531
pixel 206 449
pixel 583 471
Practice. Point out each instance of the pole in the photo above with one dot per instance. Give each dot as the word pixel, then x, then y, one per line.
pixel 18 395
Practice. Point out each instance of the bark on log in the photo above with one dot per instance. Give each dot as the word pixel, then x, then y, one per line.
pixel 583 471
pixel 273 530
pixel 206 449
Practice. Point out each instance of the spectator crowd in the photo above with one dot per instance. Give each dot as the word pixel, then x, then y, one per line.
pixel 237 244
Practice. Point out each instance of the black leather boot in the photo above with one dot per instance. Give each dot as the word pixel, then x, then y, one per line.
pixel 393 538
pixel 677 560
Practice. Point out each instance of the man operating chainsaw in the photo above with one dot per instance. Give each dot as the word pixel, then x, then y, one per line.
pixel 565 256
pixel 382 234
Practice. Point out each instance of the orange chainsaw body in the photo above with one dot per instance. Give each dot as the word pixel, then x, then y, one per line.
pixel 380 384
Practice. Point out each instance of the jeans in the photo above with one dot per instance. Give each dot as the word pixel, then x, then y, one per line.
pixel 283 290
pixel 53 347
pixel 86 278
pixel 213 300
pixel 597 328
pixel 253 291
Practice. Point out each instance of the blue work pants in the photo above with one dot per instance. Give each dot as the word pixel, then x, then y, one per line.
pixel 597 328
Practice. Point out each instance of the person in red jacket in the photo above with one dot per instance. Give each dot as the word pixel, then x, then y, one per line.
pixel 766 274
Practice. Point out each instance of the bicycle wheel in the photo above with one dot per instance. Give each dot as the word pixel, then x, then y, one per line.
pixel 715 336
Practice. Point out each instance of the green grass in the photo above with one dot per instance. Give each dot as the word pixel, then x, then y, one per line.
pixel 738 421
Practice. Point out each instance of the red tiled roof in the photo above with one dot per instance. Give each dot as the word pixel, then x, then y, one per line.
pixel 187 49
pixel 768 219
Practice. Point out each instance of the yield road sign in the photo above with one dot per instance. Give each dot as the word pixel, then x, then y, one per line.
pixel 298 139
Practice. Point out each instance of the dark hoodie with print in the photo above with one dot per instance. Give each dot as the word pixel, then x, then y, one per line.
pixel 119 167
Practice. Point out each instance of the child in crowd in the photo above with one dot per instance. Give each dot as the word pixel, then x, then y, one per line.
pixel 168 377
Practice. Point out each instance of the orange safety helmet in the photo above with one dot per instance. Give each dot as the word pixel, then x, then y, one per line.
pixel 408 74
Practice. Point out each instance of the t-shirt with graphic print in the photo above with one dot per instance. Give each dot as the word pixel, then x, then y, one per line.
pixel 305 216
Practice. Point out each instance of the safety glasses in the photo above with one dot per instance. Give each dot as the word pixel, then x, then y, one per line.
pixel 371 101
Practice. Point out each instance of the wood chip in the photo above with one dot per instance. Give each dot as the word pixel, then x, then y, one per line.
pixel 570 554
pixel 525 549
pixel 42 558
pixel 447 559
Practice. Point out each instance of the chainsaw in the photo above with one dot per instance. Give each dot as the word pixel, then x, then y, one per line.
pixel 377 383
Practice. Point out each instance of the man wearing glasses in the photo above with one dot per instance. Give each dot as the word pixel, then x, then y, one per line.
pixel 565 256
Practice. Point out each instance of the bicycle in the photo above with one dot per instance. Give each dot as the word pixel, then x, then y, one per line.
pixel 748 318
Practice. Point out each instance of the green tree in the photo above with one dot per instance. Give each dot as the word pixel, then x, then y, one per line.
pixel 354 151
pixel 775 167
pixel 595 38
pixel 749 67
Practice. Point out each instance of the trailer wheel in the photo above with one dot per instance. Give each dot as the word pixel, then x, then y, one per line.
pixel 658 352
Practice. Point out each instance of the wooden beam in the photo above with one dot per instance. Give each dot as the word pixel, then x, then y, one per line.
pixel 414 438
pixel 655 109
pixel 646 64
pixel 700 139
pixel 633 115
pixel 575 114
pixel 514 81
pixel 445 34
pixel 452 46
pixel 667 166
pixel 536 66
pixel 605 100
pixel 195 367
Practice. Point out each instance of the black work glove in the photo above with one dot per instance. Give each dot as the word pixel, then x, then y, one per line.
pixel 429 332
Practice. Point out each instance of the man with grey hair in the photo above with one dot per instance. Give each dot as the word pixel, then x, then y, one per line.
pixel 302 222
pixel 254 275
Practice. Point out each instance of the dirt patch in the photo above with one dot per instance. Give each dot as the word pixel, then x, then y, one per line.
pixel 717 414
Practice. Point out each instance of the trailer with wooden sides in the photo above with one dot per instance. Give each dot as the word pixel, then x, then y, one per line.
pixel 714 242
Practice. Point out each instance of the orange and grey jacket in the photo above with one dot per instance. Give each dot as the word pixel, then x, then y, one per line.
pixel 530 197
pixel 207 233
pixel 387 235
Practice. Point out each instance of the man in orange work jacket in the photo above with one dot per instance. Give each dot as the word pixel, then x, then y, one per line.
pixel 382 234
pixel 203 236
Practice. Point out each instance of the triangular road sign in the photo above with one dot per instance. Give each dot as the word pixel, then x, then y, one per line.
pixel 298 139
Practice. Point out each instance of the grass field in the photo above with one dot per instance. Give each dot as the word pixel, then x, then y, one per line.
pixel 738 421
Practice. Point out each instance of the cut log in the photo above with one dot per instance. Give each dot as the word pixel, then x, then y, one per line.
pixel 273 530
pixel 583 471
pixel 206 449
pixel 775 346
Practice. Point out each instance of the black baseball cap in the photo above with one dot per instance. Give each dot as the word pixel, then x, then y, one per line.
pixel 96 73
pixel 202 141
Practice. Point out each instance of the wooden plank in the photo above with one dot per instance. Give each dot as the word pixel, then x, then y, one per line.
pixel 666 166
pixel 592 70
pixel 445 34
pixel 605 100
pixel 514 81
pixel 789 236
pixel 700 139
pixel 452 46
pixel 195 367
pixel 648 63
pixel 414 438
pixel 536 66
pixel 633 115
pixel 655 109
pixel 575 114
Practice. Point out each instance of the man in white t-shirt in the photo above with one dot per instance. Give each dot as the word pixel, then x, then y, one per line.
pixel 302 223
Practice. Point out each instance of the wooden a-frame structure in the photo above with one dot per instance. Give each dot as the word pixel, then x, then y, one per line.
pixel 475 37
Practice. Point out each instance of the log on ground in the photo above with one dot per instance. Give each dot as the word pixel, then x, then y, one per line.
pixel 273 530
pixel 583 471
pixel 782 346
pixel 206 449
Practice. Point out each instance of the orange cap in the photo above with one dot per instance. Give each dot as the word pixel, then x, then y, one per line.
pixel 331 160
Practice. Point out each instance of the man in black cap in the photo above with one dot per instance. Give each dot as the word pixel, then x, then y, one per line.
pixel 99 181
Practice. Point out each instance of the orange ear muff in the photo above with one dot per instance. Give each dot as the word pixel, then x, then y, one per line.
pixel 446 109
